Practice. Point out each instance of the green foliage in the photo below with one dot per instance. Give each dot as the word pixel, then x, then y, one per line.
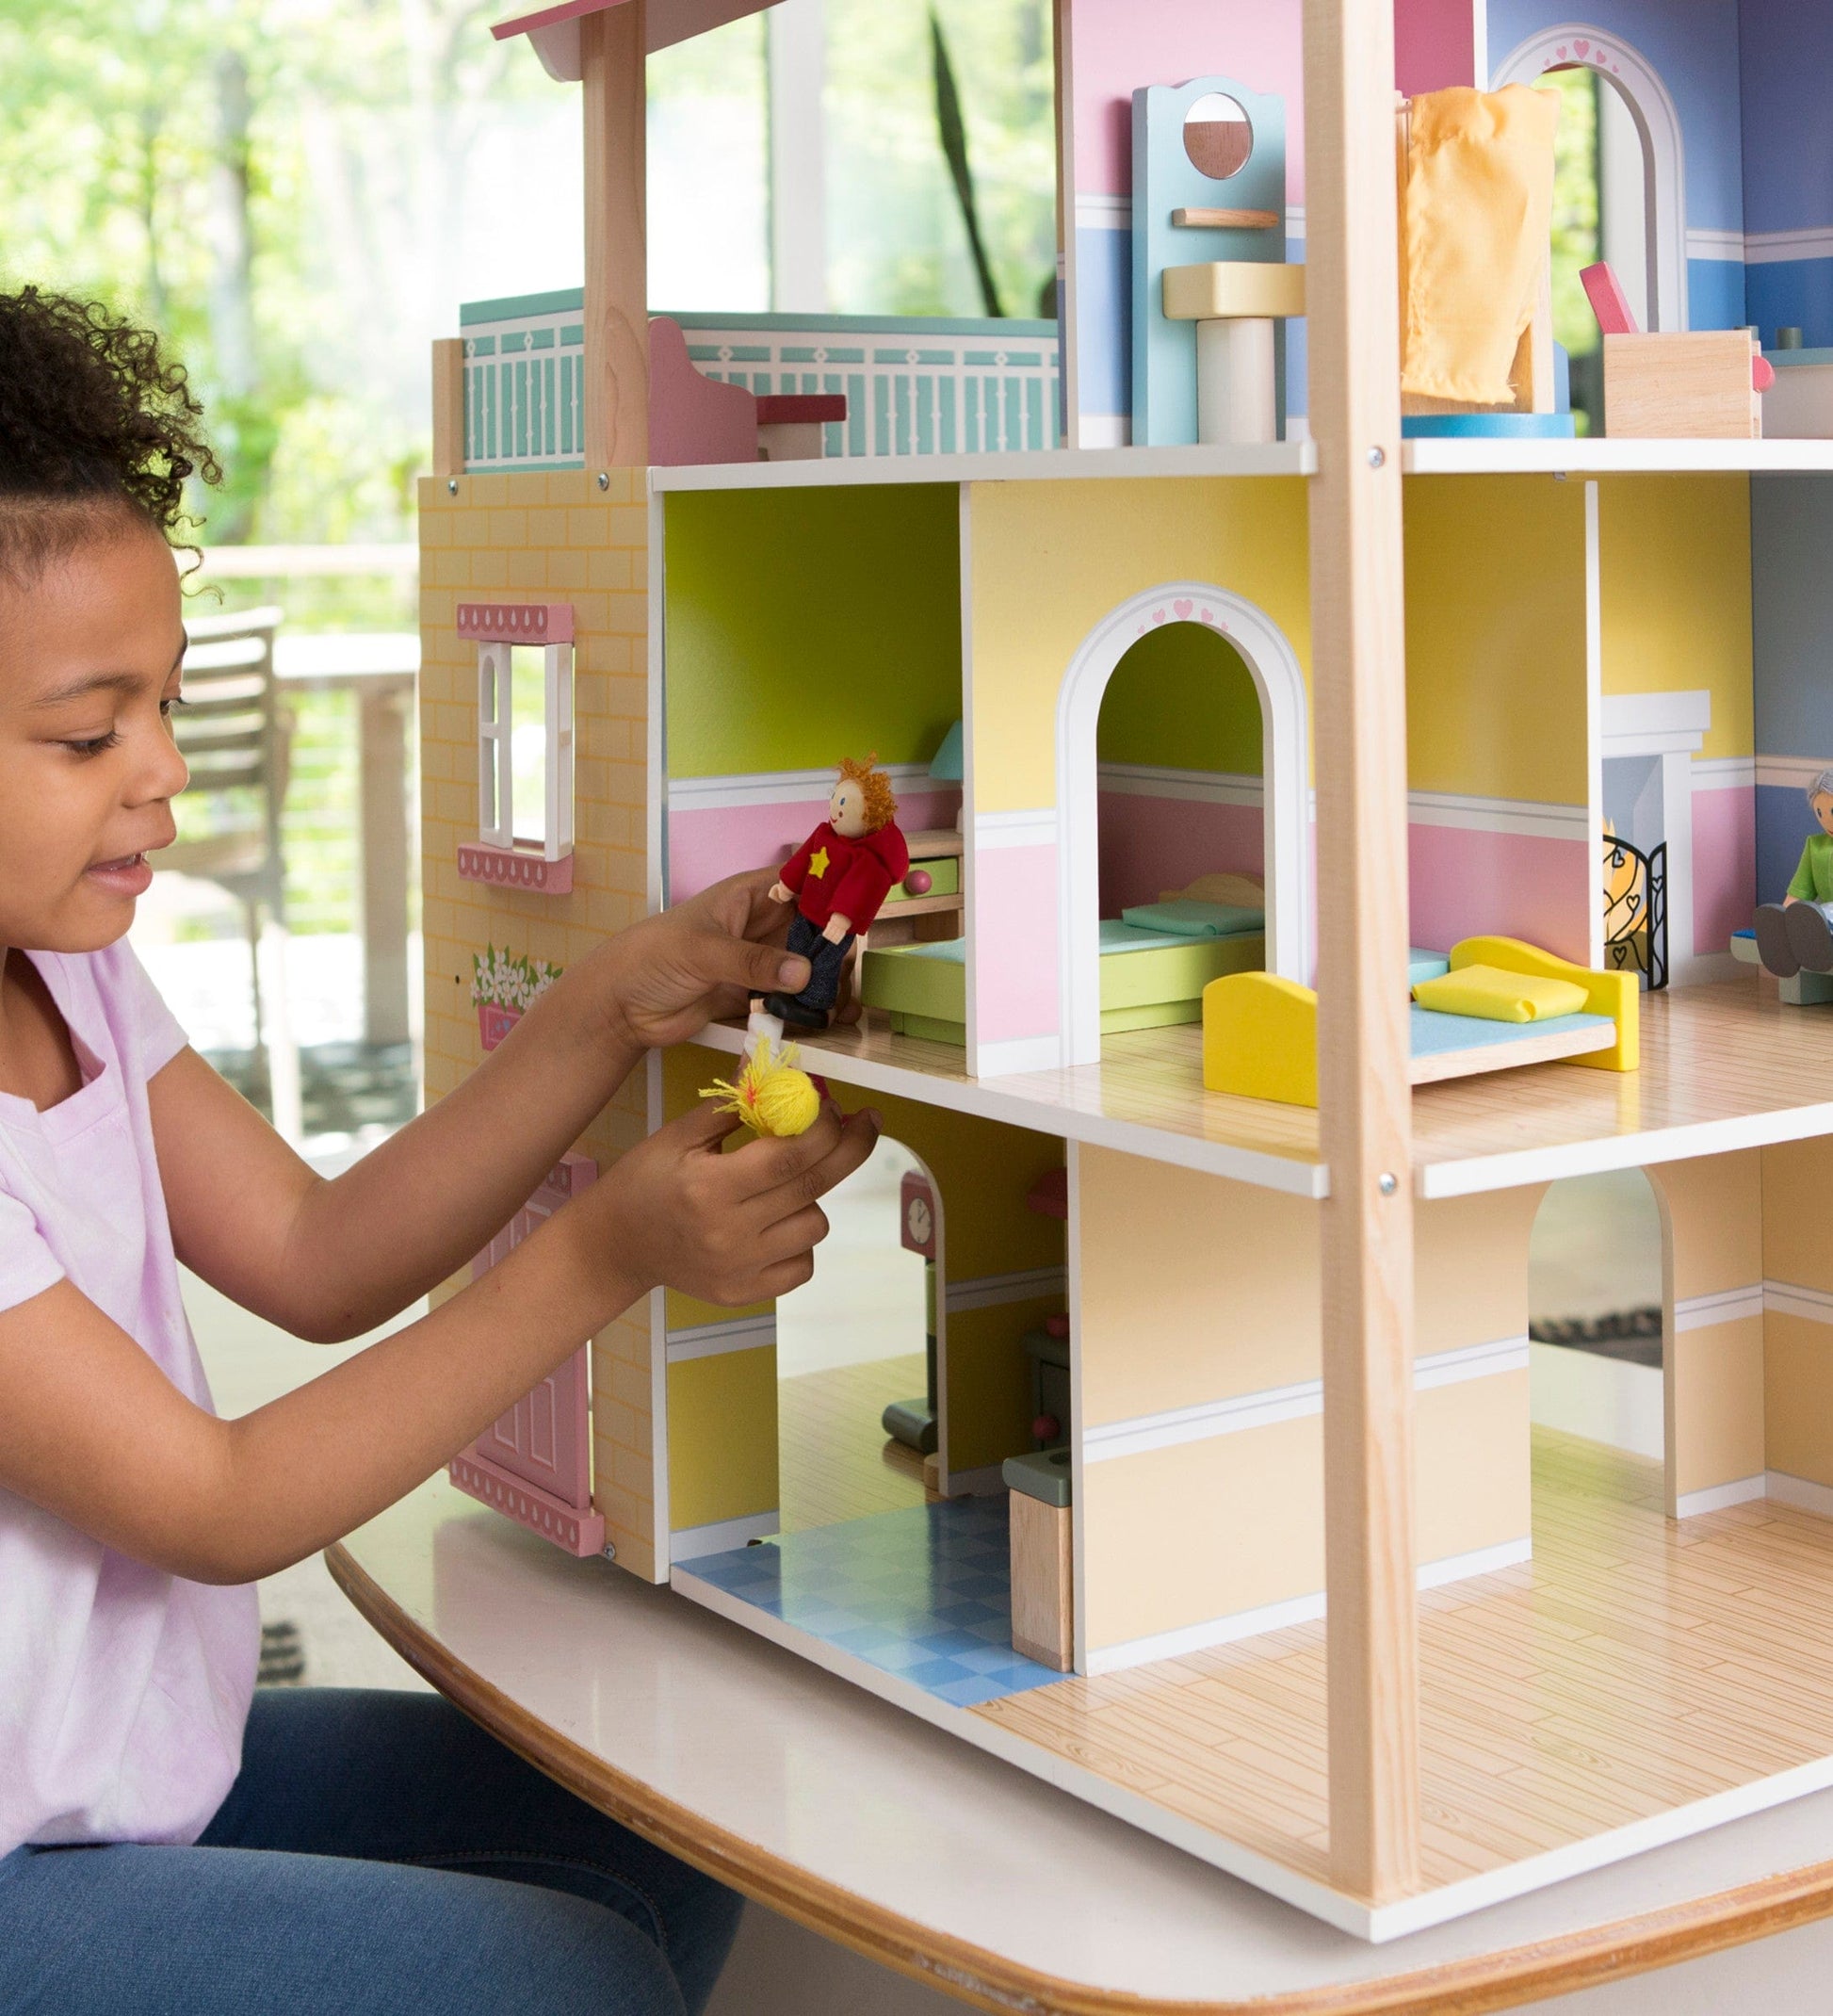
pixel 256 178
pixel 1575 206
pixel 897 245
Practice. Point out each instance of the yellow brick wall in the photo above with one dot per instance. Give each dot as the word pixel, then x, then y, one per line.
pixel 550 538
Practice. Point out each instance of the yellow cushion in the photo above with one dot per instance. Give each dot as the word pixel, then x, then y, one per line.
pixel 1500 996
pixel 1616 995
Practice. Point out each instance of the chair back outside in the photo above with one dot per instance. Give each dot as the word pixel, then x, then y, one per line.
pixel 233 733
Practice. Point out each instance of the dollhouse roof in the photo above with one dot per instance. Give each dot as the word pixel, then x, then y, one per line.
pixel 555 30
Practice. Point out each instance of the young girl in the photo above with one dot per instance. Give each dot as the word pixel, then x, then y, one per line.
pixel 163 1846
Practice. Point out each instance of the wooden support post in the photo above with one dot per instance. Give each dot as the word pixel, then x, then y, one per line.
pixel 448 406
pixel 612 44
pixel 1360 712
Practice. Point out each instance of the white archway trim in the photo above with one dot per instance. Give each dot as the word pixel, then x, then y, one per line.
pixel 1284 763
pixel 1663 158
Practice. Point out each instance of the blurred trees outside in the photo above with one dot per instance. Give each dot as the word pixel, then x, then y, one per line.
pixel 281 186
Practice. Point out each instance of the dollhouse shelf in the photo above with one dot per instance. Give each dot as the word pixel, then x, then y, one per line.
pixel 1278 458
pixel 1608 457
pixel 1724 1067
pixel 1144 1097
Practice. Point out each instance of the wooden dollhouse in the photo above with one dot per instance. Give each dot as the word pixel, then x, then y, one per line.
pixel 1296 1582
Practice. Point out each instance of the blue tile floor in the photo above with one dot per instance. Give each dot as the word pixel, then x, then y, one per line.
pixel 924 1593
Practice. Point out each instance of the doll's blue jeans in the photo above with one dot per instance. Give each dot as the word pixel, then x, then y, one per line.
pixel 378 1856
pixel 825 962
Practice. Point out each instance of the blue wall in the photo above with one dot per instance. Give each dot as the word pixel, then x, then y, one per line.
pixel 1787 64
pixel 1791 596
pixel 1693 44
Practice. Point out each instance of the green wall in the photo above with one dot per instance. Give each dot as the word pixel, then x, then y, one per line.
pixel 804 626
pixel 1181 699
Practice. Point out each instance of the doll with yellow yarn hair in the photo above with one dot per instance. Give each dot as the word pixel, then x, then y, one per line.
pixel 770 1094
pixel 837 879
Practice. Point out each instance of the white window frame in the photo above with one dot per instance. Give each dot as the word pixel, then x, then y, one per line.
pixel 496 730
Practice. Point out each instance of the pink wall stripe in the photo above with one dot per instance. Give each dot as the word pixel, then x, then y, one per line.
pixel 1434 44
pixel 1724 866
pixel 1152 844
pixel 1014 972
pixel 704 846
pixel 1121 44
pixel 1466 883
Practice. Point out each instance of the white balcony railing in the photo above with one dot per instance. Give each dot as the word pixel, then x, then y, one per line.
pixel 915 384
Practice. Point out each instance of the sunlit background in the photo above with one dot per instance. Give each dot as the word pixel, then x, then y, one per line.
pixel 301 193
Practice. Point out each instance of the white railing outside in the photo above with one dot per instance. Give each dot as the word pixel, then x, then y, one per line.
pixel 915 384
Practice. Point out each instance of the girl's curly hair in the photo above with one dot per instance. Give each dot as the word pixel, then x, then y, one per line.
pixel 93 420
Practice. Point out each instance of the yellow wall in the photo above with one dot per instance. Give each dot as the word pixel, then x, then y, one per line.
pixel 1674 555
pixel 1496 638
pixel 1194 1288
pixel 1713 1207
pixel 713 1475
pixel 545 538
pixel 1207 1530
pixel 1050 559
pixel 1797 1351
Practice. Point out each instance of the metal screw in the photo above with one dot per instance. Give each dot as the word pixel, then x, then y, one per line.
pixel 603 480
pixel 1388 1184
pixel 610 1552
pixel 1376 456
pixel 451 486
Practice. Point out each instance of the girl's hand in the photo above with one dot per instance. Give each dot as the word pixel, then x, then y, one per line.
pixel 664 979
pixel 730 1228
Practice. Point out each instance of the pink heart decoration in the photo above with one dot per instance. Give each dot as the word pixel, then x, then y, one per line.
pixel 1183 607
pixel 1559 52
pixel 1158 615
pixel 1580 46
pixel 1209 615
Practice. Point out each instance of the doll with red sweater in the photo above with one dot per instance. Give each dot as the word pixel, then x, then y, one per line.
pixel 837 879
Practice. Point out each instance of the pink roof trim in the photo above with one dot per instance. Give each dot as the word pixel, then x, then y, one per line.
pixel 545 17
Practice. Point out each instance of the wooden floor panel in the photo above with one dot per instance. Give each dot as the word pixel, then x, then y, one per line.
pixel 834 1461
pixel 1633 1666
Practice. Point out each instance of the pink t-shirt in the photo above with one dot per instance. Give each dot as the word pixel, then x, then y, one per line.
pixel 123 1690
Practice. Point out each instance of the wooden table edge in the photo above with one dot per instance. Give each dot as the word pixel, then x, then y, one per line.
pixel 1459 1988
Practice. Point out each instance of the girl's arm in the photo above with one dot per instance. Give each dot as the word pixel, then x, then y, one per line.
pixel 92 1430
pixel 330 1259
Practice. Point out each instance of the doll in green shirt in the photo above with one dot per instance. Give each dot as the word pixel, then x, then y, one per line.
pixel 1795 933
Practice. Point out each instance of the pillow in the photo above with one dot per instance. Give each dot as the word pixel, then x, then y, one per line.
pixel 1249 892
pixel 1497 996
pixel 1183 919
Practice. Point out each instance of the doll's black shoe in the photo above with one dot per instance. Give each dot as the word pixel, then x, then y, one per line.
pixel 1809 939
pixel 790 1011
pixel 1773 947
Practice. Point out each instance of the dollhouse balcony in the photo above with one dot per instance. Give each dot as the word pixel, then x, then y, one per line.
pixel 913 386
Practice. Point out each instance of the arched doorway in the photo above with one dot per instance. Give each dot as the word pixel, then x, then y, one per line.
pixel 1627 72
pixel 853 1342
pixel 1599 1313
pixel 1280 684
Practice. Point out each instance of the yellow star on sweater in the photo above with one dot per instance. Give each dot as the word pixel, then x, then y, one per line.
pixel 817 863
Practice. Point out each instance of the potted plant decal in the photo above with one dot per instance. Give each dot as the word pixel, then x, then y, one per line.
pixel 503 988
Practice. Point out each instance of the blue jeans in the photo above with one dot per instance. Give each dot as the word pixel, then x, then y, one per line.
pixel 378 1853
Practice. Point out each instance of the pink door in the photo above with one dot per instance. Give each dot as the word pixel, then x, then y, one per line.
pixel 534 1463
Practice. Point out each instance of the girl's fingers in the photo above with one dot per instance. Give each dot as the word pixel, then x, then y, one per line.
pixel 784 1277
pixel 794 1234
pixel 811 1181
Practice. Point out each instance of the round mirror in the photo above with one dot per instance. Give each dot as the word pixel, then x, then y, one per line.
pixel 1218 137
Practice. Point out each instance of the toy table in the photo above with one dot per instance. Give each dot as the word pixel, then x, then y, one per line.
pixel 861 1822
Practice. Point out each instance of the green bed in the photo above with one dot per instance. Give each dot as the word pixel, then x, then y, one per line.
pixel 1149 978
